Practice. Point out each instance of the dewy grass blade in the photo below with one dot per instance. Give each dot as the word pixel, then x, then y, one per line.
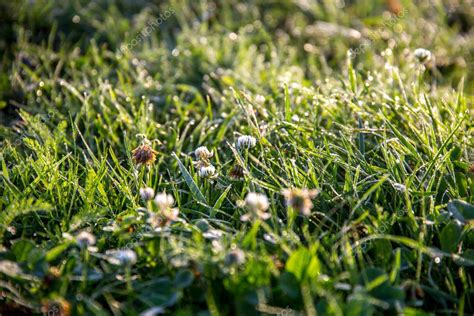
pixel 196 192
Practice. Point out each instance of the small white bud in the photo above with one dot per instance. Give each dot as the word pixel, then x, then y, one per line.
pixel 246 141
pixel 147 193
pixel 207 171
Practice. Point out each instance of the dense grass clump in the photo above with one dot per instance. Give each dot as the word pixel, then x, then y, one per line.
pixel 236 158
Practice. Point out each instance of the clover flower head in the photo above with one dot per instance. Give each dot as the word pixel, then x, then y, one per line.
pixel 166 213
pixel 246 141
pixel 257 204
pixel 164 201
pixel 85 239
pixel 155 220
pixel 122 257
pixel 256 201
pixel 144 155
pixel 147 194
pixel 300 199
pixel 259 99
pixel 423 55
pixel 207 171
pixel 170 214
pixel 235 257
pixel 203 153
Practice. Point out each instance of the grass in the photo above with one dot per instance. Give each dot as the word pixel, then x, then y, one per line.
pixel 385 139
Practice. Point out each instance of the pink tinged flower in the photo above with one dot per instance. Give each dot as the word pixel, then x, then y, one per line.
pixel 164 201
pixel 166 213
pixel 300 199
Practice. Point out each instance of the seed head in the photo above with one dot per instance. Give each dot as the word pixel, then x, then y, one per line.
pixel 144 155
pixel 300 199
pixel 246 141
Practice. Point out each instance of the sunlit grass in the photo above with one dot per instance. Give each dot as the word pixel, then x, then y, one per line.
pixel 238 160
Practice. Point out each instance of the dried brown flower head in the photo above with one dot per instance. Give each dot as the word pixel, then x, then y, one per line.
pixel 59 307
pixel 300 199
pixel 471 169
pixel 237 172
pixel 144 154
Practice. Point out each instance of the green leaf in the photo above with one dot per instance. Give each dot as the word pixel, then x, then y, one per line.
pixel 221 198
pixel 56 251
pixel 250 240
pixel 461 210
pixel 20 207
pixel 183 279
pixel 287 105
pixel 450 236
pixel 302 264
pixel 289 285
pixel 195 191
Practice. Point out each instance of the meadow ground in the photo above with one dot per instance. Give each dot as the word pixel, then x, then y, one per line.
pixel 236 158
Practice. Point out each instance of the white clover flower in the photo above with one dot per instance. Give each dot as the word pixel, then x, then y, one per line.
pixel 122 257
pixel 164 201
pixel 246 141
pixel 203 153
pixel 256 201
pixel 147 193
pixel 260 99
pixel 85 239
pixel 207 171
pixel 212 234
pixel 423 55
pixel 165 217
pixel 257 204
pixel 235 257
pixel 155 220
